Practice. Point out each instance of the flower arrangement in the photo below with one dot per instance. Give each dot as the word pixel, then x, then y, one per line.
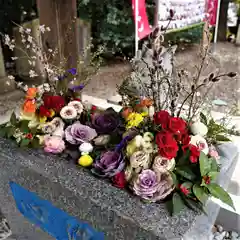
pixel 160 151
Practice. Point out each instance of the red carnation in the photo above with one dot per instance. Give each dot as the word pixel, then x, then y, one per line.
pixel 29 136
pixel 44 112
pixel 119 180
pixel 177 125
pixel 194 153
pixel 162 118
pixel 184 190
pixel 207 179
pixel 167 145
pixel 54 102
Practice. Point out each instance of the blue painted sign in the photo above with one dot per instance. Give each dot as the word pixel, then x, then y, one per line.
pixel 52 220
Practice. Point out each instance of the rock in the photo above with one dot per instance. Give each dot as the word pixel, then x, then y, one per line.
pixel 214 229
pixel 219 228
pixel 219 102
pixel 219 236
pixel 234 236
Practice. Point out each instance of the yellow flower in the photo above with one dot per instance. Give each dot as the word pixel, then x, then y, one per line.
pixel 134 119
pixel 144 114
pixel 52 113
pixel 42 119
pixel 85 161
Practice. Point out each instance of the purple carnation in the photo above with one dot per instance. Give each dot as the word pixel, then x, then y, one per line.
pixel 78 133
pixel 109 164
pixel 106 122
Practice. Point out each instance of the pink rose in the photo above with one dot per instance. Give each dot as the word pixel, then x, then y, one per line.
pixel 53 144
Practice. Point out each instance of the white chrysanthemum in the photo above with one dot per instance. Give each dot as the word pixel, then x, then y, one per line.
pixel 200 142
pixel 77 105
pixel 198 128
pixel 68 113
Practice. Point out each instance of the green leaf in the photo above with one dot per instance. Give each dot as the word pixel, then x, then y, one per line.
pixel 200 193
pixel 220 193
pixel 184 159
pixel 214 165
pixel 13 119
pixel 10 131
pixel 205 164
pixel 3 132
pixel 35 142
pixel 169 205
pixel 25 142
pixel 213 175
pixel 174 178
pixel 222 138
pixel 24 126
pixel 178 203
pixel 186 172
pixel 203 119
pixel 194 205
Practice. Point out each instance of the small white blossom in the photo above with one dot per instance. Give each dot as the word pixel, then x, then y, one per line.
pixel 28 46
pixel 32 74
pixel 11 47
pixel 30 62
pixel 23 40
pixel 11 77
pixel 14 58
pixel 24 12
pixel 25 88
pixel 33 63
pixel 8 83
pixel 34 57
pixel 48 29
pixel 42 28
pixel 28 30
pixel 68 113
pixel 21 29
pixel 50 50
pixel 7 39
pixel 30 38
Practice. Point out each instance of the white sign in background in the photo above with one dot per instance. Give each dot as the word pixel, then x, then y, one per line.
pixel 186 13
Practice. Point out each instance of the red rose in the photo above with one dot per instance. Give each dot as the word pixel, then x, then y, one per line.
pixel 44 112
pixel 177 125
pixel 162 118
pixel 185 140
pixel 54 102
pixel 119 180
pixel 194 153
pixel 167 145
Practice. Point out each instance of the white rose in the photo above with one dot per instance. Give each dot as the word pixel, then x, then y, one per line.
pixel 161 164
pixel 198 128
pixel 200 142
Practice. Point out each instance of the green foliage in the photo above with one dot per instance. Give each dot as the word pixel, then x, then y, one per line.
pixel 218 192
pixel 112 22
pixel 205 164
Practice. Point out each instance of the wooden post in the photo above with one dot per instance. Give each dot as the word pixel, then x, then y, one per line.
pixel 60 16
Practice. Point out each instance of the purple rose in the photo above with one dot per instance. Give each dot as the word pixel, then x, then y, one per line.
pixel 105 122
pixel 109 164
pixel 152 186
pixel 78 133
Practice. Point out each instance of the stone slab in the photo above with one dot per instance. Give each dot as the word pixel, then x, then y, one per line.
pixel 94 201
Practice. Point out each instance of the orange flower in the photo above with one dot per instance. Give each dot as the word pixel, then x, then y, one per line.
pixel 31 93
pixel 147 102
pixel 29 106
pixel 126 112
